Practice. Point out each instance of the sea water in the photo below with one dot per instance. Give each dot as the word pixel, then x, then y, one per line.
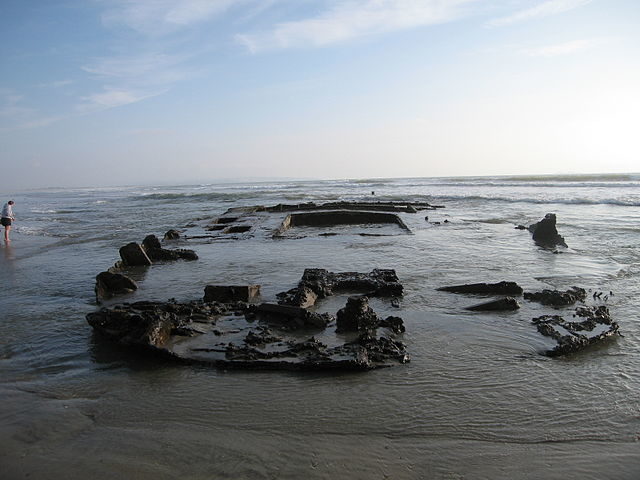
pixel 478 399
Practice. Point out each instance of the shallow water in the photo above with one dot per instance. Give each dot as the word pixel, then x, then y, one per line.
pixel 477 400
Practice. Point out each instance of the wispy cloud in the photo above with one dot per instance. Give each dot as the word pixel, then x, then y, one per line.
pixel 355 18
pixel 161 17
pixel 15 115
pixel 559 49
pixel 56 84
pixel 544 9
pixel 143 72
pixel 151 132
pixel 114 97
pixel 131 78
pixel 10 106
pixel 143 68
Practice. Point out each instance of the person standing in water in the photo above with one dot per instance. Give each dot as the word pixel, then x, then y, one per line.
pixel 7 219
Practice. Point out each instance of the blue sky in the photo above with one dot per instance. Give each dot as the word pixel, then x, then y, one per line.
pixel 115 92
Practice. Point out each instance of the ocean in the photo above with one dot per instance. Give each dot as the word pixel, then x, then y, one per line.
pixel 478 400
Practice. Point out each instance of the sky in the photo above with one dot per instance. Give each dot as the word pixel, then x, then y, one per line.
pixel 123 92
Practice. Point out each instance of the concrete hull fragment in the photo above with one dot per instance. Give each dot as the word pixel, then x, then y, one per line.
pixel 227 335
pixel 231 293
pixel 502 304
pixel 500 288
pixel 594 327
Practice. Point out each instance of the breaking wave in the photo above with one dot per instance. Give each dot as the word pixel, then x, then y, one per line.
pixel 606 180
pixel 190 197
pixel 540 201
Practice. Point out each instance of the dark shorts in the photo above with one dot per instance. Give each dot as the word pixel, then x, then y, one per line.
pixel 6 222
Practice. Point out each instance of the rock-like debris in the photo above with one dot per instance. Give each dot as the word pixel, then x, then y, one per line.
pixel 502 304
pixel 302 296
pixel 133 254
pixel 356 316
pixel 557 298
pixel 261 336
pixel 395 324
pixel 321 283
pixel 545 233
pixel 172 235
pixel 110 284
pixel 572 336
pixel 380 349
pixel 155 252
pixel 500 288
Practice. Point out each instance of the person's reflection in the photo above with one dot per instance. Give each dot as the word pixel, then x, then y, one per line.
pixel 7 252
pixel 7 265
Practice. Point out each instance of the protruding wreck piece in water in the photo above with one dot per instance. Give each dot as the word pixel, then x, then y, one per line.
pixel 109 284
pixel 133 255
pixel 358 316
pixel 317 283
pixel 231 293
pixel 545 233
pixel 572 336
pixel 155 252
pixel 338 217
pixel 557 298
pixel 500 288
pixel 502 304
pixel 172 234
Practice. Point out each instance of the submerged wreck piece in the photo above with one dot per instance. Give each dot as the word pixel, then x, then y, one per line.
pixel 557 298
pixel 500 288
pixel 241 335
pixel 231 293
pixel 377 350
pixel 147 324
pixel 409 207
pixel 502 304
pixel 292 318
pixel 545 233
pixel 571 337
pixel 337 217
pixel 317 283
pixel 110 284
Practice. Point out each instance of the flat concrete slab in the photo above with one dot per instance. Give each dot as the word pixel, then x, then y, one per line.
pixel 332 218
